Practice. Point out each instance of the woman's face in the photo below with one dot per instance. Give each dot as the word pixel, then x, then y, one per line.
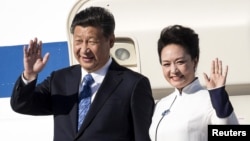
pixel 177 65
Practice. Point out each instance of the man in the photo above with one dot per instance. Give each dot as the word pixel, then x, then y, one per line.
pixel 121 99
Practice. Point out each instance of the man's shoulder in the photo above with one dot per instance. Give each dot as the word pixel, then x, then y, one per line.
pixel 69 68
pixel 116 66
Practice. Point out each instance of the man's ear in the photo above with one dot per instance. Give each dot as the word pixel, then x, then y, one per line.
pixel 112 40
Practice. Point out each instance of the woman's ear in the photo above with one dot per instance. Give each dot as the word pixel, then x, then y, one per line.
pixel 196 63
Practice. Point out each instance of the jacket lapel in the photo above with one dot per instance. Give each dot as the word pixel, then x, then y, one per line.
pixel 112 77
pixel 74 79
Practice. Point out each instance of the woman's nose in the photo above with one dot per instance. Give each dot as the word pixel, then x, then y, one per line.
pixel 174 69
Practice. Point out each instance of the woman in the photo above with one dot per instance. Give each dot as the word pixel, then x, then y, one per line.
pixel 185 114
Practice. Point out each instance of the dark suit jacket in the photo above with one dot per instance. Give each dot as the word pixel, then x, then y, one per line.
pixel 121 110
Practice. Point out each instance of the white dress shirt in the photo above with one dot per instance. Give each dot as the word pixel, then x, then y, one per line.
pixel 98 77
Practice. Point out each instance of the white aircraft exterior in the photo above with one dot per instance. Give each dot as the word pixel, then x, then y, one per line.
pixel 223 27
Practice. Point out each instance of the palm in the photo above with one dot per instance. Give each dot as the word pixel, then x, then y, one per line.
pixel 217 76
pixel 33 61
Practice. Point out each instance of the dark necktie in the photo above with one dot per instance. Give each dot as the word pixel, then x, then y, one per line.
pixel 84 99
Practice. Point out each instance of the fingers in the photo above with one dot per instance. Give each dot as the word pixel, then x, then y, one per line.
pixel 205 78
pixel 34 48
pixel 25 51
pixel 213 67
pixel 217 68
pixel 225 71
pixel 45 58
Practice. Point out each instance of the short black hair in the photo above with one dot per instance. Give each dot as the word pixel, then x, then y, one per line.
pixel 96 17
pixel 184 36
